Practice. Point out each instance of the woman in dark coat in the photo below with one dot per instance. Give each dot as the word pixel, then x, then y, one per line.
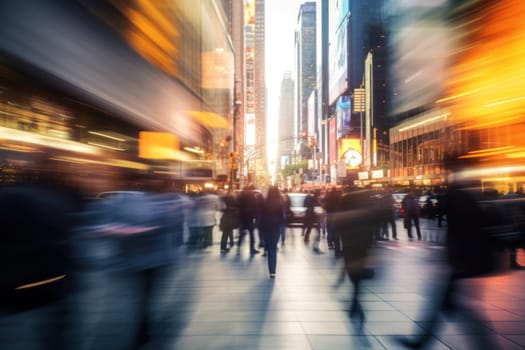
pixel 229 221
pixel 273 216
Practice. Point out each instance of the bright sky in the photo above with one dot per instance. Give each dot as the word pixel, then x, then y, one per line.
pixel 281 22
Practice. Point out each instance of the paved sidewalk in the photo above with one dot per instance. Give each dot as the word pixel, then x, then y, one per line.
pixel 214 301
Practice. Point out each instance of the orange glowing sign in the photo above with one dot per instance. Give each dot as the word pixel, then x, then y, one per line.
pixel 157 145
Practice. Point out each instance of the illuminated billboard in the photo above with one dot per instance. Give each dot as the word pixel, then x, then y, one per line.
pixel 343 113
pixel 338 49
pixel 249 12
pixel 350 152
pixel 158 145
pixel 332 141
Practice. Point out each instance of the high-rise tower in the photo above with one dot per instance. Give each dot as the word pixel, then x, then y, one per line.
pixel 286 121
pixel 255 91
pixel 305 63
pixel 261 166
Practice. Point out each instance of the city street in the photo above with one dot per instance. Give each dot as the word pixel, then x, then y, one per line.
pixel 213 301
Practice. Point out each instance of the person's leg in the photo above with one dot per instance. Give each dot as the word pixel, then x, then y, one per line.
pixel 230 237
pixel 356 310
pixel 338 247
pixel 282 233
pixel 416 224
pixel 317 240
pixel 308 229
pixel 394 228
pixel 224 238
pixel 252 240
pixel 322 225
pixel 261 238
pixel 442 294
pixel 408 224
pixel 271 249
pixel 440 218
pixel 330 235
pixel 194 237
pixel 242 233
pixel 202 237
pixel 384 230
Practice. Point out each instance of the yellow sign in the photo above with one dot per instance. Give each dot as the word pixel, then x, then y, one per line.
pixel 158 145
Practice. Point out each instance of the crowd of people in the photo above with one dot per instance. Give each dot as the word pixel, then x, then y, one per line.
pixel 145 228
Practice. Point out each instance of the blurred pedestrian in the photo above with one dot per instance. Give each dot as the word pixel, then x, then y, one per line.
pixel 203 219
pixel 468 255
pixel 260 200
pixel 287 210
pixel 273 217
pixel 412 211
pixel 357 221
pixel 390 217
pixel 248 214
pixel 331 206
pixel 311 219
pixel 176 206
pixel 229 221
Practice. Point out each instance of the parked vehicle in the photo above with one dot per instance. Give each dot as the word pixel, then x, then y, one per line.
pixel 297 211
pixel 111 194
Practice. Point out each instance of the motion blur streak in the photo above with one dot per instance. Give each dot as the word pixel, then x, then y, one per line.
pixel 61 40
pixel 485 94
pixel 39 283
pixel 486 86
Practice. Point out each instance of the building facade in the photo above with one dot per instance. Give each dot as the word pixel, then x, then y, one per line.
pixel 287 137
pixel 305 74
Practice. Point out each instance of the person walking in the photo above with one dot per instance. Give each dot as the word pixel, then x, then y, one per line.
pixel 229 221
pixel 248 214
pixel 357 221
pixel 273 217
pixel 312 220
pixel 287 211
pixel 468 255
pixel 390 218
pixel 412 211
pixel 202 219
pixel 331 206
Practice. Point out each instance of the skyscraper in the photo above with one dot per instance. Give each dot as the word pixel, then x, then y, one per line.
pixel 255 91
pixel 305 63
pixel 286 121
pixel 260 90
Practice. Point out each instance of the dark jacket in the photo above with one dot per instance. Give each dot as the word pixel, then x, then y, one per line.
pixel 357 220
pixel 467 245
pixel 230 214
pixel 248 208
pixel 273 215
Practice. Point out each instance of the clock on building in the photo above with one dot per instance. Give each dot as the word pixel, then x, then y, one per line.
pixel 352 157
